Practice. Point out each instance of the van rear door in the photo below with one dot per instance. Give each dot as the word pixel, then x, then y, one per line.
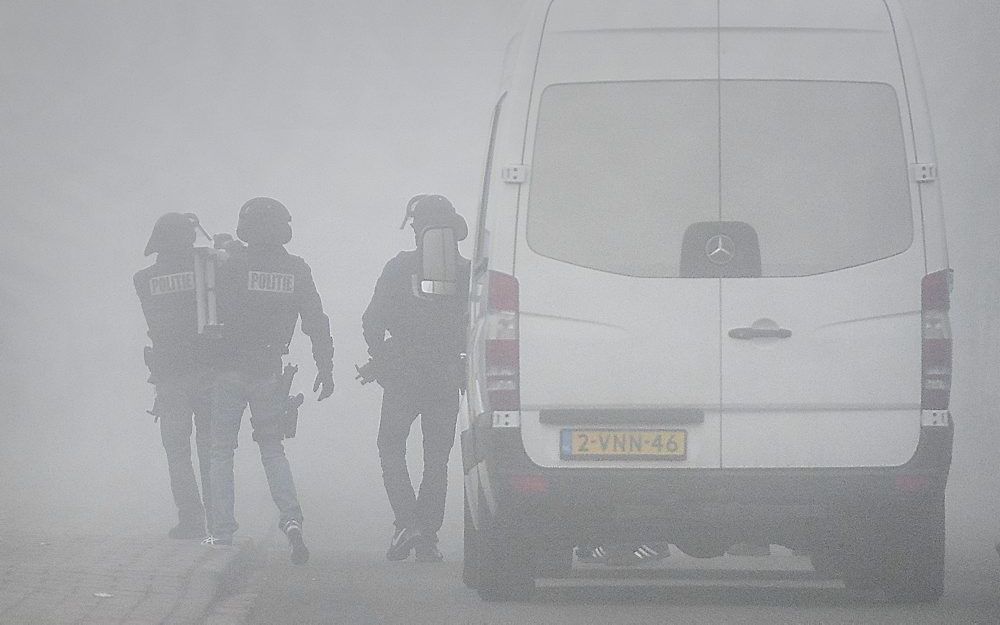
pixel 623 146
pixel 821 351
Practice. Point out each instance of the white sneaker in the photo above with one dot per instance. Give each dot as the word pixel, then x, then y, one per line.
pixel 403 541
pixel 212 541
pixel 292 529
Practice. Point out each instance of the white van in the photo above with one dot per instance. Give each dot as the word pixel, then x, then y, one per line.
pixel 710 293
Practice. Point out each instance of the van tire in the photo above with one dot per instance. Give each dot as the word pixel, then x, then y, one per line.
pixel 470 559
pixel 506 565
pixel 913 563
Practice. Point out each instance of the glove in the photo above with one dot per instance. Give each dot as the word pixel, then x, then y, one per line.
pixel 323 379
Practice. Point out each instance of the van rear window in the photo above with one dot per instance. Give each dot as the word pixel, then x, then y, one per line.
pixel 622 170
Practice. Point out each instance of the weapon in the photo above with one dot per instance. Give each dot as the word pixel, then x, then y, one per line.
pixel 367 372
pixel 204 283
pixel 290 415
pixel 196 223
pixel 387 364
pixel 205 260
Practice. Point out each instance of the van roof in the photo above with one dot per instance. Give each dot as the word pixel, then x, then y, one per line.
pixel 568 16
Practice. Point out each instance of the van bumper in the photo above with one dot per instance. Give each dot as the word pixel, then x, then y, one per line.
pixel 709 509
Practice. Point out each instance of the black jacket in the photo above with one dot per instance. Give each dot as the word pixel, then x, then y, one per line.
pixel 166 292
pixel 262 292
pixel 428 333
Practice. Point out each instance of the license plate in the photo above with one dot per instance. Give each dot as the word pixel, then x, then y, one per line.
pixel 623 444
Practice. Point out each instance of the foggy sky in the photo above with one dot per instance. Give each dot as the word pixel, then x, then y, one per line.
pixel 118 112
pixel 114 113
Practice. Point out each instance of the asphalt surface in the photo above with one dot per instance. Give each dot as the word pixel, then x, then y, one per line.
pixel 70 557
pixel 358 588
pixel 127 579
pixel 347 580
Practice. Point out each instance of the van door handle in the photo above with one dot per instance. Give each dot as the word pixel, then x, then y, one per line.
pixel 746 334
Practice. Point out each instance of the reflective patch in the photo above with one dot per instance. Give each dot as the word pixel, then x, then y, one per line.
pixel 271 282
pixel 172 283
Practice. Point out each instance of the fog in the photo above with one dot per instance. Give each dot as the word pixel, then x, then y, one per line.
pixel 114 113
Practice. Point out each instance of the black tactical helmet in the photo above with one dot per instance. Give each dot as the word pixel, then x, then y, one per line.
pixel 435 210
pixel 264 220
pixel 172 232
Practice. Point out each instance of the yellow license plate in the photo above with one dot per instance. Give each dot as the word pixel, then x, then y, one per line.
pixel 623 444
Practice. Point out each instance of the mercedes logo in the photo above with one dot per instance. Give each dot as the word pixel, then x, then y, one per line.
pixel 720 249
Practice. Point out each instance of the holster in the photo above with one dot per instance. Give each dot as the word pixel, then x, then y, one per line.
pixel 290 417
pixel 285 423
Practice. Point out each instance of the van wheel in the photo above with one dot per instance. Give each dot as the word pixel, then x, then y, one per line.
pixel 913 562
pixel 470 559
pixel 506 565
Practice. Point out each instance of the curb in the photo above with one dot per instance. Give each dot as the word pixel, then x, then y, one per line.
pixel 236 609
pixel 121 579
pixel 211 580
pixel 240 582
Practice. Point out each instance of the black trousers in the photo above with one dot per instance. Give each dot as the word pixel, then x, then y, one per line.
pixel 438 412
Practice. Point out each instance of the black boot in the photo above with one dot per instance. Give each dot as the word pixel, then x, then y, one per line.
pixel 402 543
pixel 426 550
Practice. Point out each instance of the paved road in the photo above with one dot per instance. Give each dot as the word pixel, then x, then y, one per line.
pixel 108 579
pixel 357 588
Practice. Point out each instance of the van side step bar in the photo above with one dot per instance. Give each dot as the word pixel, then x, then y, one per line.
pixel 619 416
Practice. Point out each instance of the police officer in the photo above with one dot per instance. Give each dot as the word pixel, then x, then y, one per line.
pixel 424 347
pixel 179 365
pixel 263 291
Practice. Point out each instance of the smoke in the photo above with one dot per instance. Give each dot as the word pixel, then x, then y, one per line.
pixel 114 113
pixel 958 44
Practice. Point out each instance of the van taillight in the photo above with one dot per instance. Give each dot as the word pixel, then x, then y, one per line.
pixel 936 333
pixel 502 348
